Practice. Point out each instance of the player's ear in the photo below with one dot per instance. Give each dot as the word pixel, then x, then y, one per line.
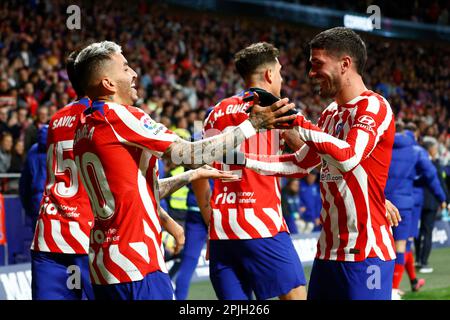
pixel 346 64
pixel 268 75
pixel 108 84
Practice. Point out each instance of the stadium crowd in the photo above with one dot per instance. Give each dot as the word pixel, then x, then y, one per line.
pixel 184 65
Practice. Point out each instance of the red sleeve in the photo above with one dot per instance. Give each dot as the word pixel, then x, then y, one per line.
pixel 372 119
pixel 133 126
pixel 296 165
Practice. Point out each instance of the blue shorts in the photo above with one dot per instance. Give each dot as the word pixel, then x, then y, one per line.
pixel 154 286
pixel 403 230
pixel 415 218
pixel 59 276
pixel 370 279
pixel 269 267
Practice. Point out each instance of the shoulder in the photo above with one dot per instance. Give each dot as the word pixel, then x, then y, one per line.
pixel 235 101
pixel 374 103
pixel 124 111
pixel 332 107
pixel 229 110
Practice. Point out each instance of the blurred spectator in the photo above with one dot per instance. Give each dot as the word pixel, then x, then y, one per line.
pixel 31 132
pixel 310 198
pixel 32 180
pixel 18 122
pixel 17 157
pixel 290 203
pixel 4 120
pixel 29 98
pixel 429 210
pixel 6 145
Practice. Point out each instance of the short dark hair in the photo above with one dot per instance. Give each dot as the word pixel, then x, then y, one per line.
pixel 339 41
pixel 249 59
pixel 90 60
pixel 73 76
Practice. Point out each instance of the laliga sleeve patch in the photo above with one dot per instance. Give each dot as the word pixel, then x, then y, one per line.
pixel 151 126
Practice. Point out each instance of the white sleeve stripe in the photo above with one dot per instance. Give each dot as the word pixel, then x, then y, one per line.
pixel 373 105
pixel 134 124
pixel 386 122
pixel 271 168
pixel 301 154
pixel 321 137
pixel 247 128
pixel 362 140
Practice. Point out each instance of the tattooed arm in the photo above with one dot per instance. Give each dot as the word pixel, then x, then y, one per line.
pixel 172 227
pixel 170 185
pixel 196 154
pixel 292 138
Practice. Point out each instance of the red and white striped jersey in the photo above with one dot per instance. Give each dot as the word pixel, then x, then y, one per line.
pixel 116 150
pixel 250 207
pixel 353 143
pixel 65 216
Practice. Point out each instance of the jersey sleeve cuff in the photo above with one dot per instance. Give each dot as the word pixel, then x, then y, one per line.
pixel 247 128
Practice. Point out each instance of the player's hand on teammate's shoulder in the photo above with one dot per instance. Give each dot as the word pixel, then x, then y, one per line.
pixel 273 116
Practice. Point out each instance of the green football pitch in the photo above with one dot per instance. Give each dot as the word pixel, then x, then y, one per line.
pixel 437 285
